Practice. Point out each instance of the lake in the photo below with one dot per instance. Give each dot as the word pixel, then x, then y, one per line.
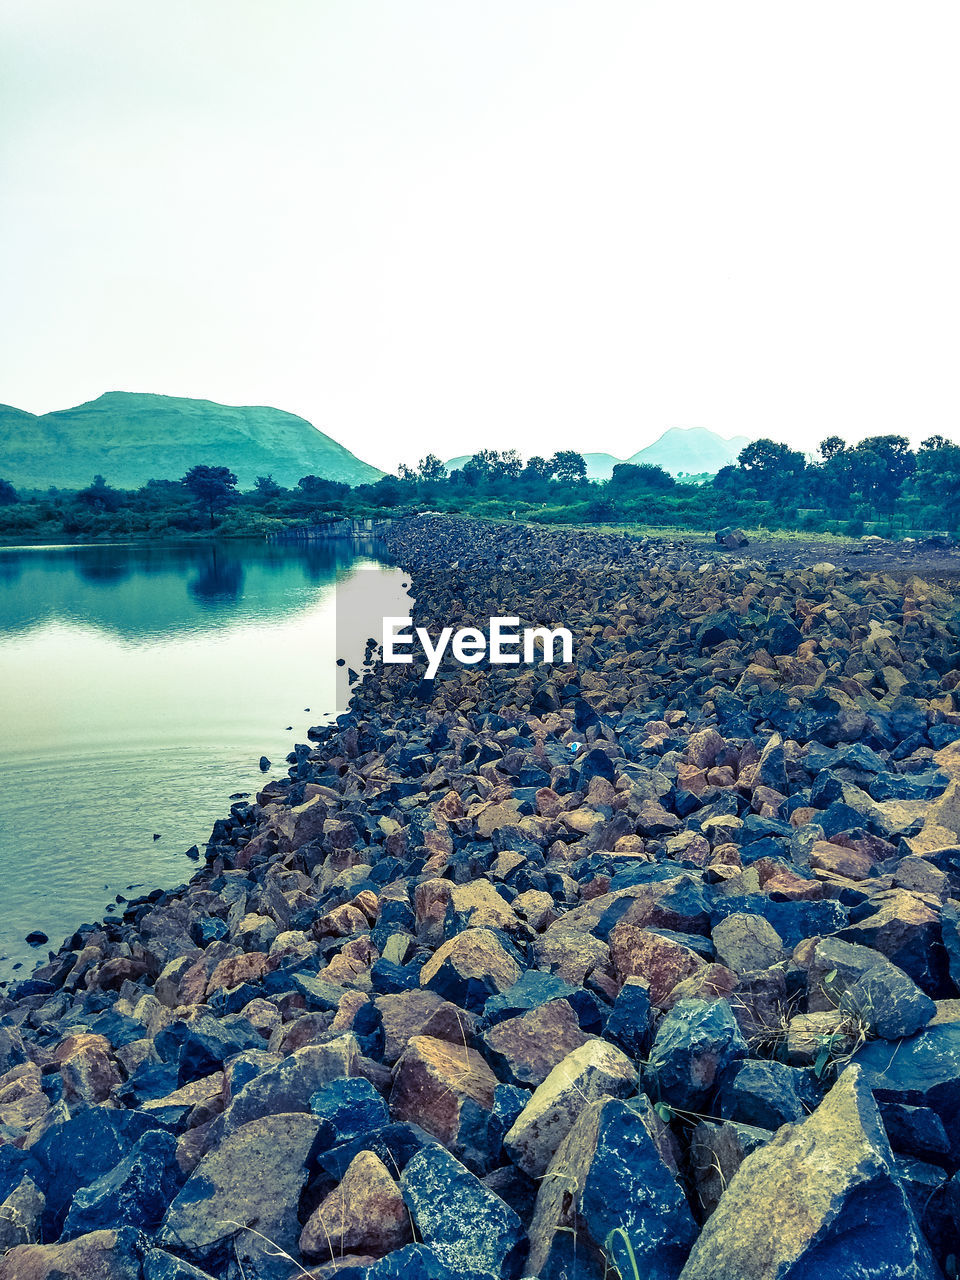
pixel 139 687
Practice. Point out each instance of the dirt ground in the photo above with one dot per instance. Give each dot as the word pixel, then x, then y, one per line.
pixel 936 564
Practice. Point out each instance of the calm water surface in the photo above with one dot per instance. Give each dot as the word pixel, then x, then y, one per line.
pixel 139 687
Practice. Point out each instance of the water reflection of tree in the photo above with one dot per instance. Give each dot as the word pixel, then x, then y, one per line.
pixel 11 567
pixel 103 565
pixel 219 580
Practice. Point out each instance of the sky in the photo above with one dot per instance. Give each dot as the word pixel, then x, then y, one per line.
pixel 441 225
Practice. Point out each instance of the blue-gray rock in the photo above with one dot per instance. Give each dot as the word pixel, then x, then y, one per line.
pixel 346 1109
pixel 467 1226
pixel 201 1045
pixel 160 1265
pixel 889 1003
pixel 535 988
pixel 916 1131
pixel 135 1193
pixel 100 1255
pixel 289 1086
pixel 924 1071
pixel 614 1171
pixel 630 1023
pixel 73 1153
pixel 415 1262
pixel 763 1094
pixel 695 1044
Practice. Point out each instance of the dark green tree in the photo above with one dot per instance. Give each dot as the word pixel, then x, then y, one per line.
pixel 568 466
pixel 632 477
pixel 831 447
pixel 431 468
pixel 8 494
pixel 267 487
pixel 537 468
pixel 98 496
pixel 214 489
pixel 937 481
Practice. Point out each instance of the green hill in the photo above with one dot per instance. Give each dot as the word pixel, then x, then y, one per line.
pixel 130 438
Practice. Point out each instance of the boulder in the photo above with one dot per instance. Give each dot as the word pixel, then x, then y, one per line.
pixel 731 538
pixel 820 1198
pixel 252 1178
pixel 614 1171
pixel 470 967
pixel 745 942
pixel 406 1014
pixel 365 1214
pixel 661 962
pixel 526 1048
pixel 20 1215
pixel 924 1071
pixel 762 1094
pixel 102 1255
pixel 594 1069
pixel 346 1109
pixel 290 1085
pixel 695 1043
pixel 135 1193
pixel 448 1090
pixel 462 1221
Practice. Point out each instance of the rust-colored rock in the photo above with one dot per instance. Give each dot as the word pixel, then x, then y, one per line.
pixel 365 1214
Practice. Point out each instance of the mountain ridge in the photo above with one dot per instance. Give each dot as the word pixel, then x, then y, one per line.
pixel 132 437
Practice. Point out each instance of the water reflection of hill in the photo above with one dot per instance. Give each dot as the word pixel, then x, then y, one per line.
pixel 141 592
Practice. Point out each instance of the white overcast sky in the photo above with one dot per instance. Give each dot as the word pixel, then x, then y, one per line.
pixel 446 224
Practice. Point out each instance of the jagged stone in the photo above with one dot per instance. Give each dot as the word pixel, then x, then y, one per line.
pixel 820 1197
pixel 595 1068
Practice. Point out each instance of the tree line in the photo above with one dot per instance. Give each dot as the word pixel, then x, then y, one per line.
pixel 880 482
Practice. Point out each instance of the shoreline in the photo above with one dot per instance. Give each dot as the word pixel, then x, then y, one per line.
pixel 506 897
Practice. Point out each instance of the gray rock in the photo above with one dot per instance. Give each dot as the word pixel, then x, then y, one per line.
pixel 695 1043
pixel 466 1225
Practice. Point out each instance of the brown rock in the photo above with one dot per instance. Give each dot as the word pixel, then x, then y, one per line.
pixel 90 1257
pixel 478 905
pixel 470 967
pixel 430 900
pixel 571 954
pixel 840 861
pixel 661 962
pixel 22 1099
pixel 593 1070
pixel 420 1012
pixel 341 922
pixel 432 1081
pixel 536 907
pixel 529 1046
pixel 249 967
pixel 496 816
pixel 87 1066
pixel 704 747
pixel 712 982
pixel 365 1214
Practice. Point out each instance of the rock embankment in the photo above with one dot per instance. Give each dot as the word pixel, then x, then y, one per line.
pixel 520 965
